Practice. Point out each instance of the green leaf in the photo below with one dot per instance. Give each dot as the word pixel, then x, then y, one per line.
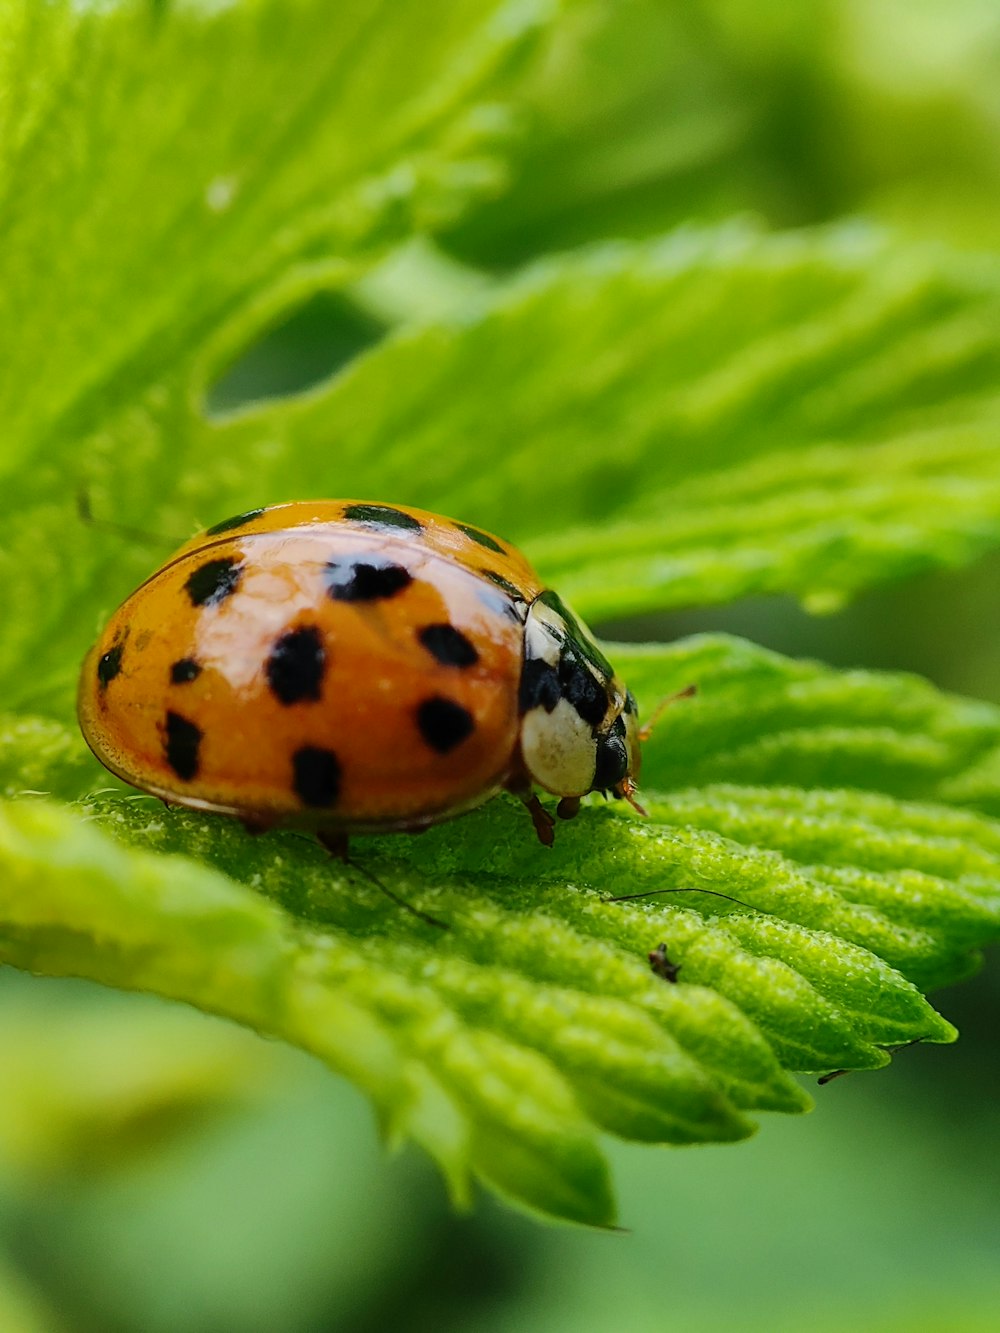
pixel 151 1073
pixel 652 112
pixel 23 1309
pixel 641 117
pixel 768 719
pixel 506 1042
pixel 169 925
pixel 693 420
pixel 197 153
pixel 715 415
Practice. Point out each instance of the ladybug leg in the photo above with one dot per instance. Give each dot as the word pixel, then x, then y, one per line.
pixel 568 807
pixel 540 817
pixel 255 826
pixel 336 844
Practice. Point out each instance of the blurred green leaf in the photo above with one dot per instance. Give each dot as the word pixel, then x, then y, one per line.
pixel 193 154
pixel 648 113
pixel 103 1087
pixel 132 1128
pixel 711 415
pixel 23 1308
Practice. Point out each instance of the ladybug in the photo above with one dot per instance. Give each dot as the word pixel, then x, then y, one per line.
pixel 351 667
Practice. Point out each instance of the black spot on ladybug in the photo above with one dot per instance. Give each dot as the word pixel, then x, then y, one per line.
pixel 383 516
pixel 184 671
pixel 501 582
pixel 214 581
pixel 539 686
pixel 448 645
pixel 612 758
pixel 296 664
pixel 109 665
pixel 369 578
pixel 316 776
pixel 181 743
pixel 237 521
pixel 483 538
pixel 444 723
pixel 580 688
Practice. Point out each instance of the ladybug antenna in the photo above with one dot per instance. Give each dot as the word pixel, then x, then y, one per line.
pixel 337 845
pixel 891 1050
pixel 626 790
pixel 85 510
pixel 645 731
pixel 395 897
pixel 714 893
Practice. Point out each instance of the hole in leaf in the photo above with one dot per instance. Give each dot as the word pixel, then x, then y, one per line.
pixel 317 339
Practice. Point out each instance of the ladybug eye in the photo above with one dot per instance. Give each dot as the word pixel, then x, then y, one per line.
pixel 612 758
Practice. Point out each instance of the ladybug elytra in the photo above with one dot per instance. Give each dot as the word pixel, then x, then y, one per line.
pixel 353 667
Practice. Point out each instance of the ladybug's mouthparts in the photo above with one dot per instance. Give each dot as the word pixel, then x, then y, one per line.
pixel 626 790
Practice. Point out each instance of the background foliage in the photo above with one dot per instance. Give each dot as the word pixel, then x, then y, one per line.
pixel 252 252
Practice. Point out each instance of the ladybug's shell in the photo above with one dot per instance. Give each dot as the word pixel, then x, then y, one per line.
pixel 300 665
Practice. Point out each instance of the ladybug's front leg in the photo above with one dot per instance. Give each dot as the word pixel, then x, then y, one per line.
pixel 568 807
pixel 540 817
pixel 337 844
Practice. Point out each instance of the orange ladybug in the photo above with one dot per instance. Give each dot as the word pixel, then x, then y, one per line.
pixel 351 667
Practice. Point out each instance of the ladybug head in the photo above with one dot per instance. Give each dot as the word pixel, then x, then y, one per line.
pixel 579 729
